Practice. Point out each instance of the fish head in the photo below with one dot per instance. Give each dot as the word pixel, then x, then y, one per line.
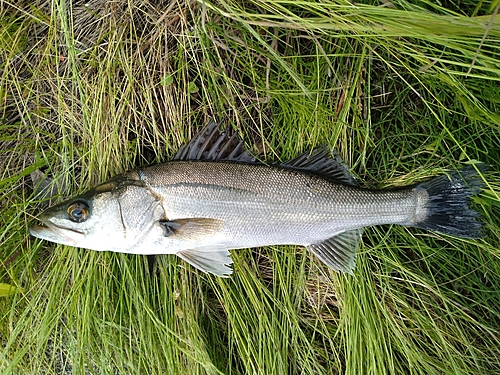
pixel 110 217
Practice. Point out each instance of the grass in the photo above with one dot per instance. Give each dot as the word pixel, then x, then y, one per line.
pixel 404 90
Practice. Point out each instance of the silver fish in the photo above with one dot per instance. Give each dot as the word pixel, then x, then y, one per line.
pixel 214 197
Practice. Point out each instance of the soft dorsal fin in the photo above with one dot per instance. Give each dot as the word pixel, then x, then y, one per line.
pixel 213 144
pixel 216 261
pixel 338 252
pixel 324 161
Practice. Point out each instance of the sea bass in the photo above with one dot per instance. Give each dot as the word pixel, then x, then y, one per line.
pixel 214 197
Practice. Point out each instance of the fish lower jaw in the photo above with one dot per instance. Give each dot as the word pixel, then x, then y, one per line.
pixel 55 233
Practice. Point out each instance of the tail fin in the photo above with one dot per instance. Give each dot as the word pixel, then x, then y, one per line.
pixel 447 207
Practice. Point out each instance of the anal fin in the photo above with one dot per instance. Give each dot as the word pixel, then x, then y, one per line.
pixel 338 252
pixel 215 261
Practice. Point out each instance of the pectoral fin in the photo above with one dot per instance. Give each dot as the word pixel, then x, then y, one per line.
pixel 192 229
pixel 214 261
pixel 339 252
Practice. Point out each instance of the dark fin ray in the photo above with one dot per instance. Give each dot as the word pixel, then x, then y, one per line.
pixel 324 161
pixel 190 150
pixel 215 261
pixel 338 252
pixel 447 202
pixel 191 229
pixel 212 144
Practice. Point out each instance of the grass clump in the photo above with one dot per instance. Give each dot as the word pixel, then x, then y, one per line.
pixel 404 90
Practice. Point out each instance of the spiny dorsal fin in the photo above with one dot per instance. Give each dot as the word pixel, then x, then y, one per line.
pixel 338 252
pixel 212 144
pixel 214 261
pixel 324 161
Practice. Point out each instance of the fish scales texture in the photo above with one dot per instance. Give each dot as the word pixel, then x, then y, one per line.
pixel 262 205
pixel 200 209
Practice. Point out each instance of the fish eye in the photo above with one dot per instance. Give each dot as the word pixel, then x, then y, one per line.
pixel 78 211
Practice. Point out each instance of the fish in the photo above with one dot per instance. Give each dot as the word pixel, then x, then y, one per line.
pixel 214 196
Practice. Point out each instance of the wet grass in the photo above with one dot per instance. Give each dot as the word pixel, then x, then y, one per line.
pixel 404 90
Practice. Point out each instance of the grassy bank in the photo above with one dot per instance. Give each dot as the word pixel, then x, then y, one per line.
pixel 403 90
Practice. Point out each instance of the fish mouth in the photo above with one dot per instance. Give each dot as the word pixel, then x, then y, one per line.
pixel 55 233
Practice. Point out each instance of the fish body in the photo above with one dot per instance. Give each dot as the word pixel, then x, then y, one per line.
pixel 200 209
pixel 260 205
